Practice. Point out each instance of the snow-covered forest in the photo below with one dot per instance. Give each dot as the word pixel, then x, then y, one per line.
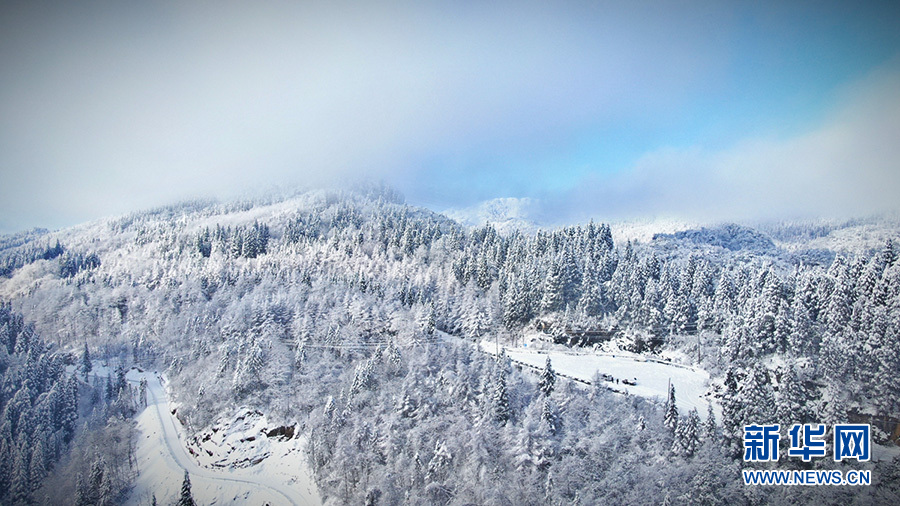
pixel 357 319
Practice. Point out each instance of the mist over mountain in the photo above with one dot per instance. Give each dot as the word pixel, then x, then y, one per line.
pixel 504 214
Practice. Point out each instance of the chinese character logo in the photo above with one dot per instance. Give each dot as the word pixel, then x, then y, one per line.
pixel 810 447
pixel 761 442
pixel 851 441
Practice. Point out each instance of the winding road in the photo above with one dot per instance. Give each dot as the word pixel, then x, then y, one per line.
pixel 162 460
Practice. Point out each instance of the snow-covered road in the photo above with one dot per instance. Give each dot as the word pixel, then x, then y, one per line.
pixel 162 460
pixel 651 378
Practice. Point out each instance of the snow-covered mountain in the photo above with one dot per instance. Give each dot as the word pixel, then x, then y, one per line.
pixel 504 214
pixel 352 318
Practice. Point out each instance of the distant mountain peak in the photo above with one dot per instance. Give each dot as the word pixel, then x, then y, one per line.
pixel 506 214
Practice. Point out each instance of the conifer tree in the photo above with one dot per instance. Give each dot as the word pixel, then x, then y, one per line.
pixel 687 436
pixel 710 428
pixel 516 308
pixel 888 255
pixel 548 379
pixel 186 499
pixel 549 415
pixel 885 387
pixel 501 399
pixel 20 489
pixel 790 402
pixel 86 366
pixel 552 298
pixel 670 420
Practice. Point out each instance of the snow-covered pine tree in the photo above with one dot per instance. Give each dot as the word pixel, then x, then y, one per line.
pixel 85 366
pixel 839 308
pixel 571 278
pixel 801 338
pixel 885 387
pixel 687 435
pixel 82 494
pixel 731 409
pixel 670 417
pixel 710 428
pixel 516 307
pixel 547 380
pixel 500 398
pixel 888 253
pixel 549 415
pixel 791 399
pixel 186 498
pixel 757 398
pixel 21 486
pixel 552 298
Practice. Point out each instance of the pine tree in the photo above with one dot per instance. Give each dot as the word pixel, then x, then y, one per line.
pixel 82 494
pixel 549 416
pixel 710 428
pixel 670 420
pixel 591 301
pixel 571 278
pixel 515 303
pixel 888 254
pixel 791 399
pixel 86 366
pixel 501 399
pixel 757 398
pixel 121 380
pixel 39 461
pixel 687 436
pixel 483 275
pixel 782 327
pixel 20 489
pixel 186 499
pixel 552 298
pixel 6 471
pixel 142 392
pixel 838 311
pixel 833 408
pixel 732 420
pixel 548 379
pixel 885 387
pixel 765 312
pixel 95 479
pixel 800 339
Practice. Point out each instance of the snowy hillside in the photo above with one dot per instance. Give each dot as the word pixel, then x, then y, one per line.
pixel 729 236
pixel 319 346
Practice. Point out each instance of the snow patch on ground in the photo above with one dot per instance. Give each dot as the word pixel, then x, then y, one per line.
pixel 247 445
pixel 234 442
pixel 643 230
pixel 651 377
pixel 280 476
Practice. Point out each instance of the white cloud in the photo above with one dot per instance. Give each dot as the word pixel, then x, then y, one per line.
pixel 849 165
pixel 104 108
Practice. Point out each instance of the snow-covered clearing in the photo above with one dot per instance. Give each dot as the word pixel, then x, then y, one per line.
pixel 281 477
pixel 651 377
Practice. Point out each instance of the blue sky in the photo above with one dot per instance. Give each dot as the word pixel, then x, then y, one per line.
pixel 604 110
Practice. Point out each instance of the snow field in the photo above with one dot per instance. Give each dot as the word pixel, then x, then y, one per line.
pixel 651 377
pixel 280 477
